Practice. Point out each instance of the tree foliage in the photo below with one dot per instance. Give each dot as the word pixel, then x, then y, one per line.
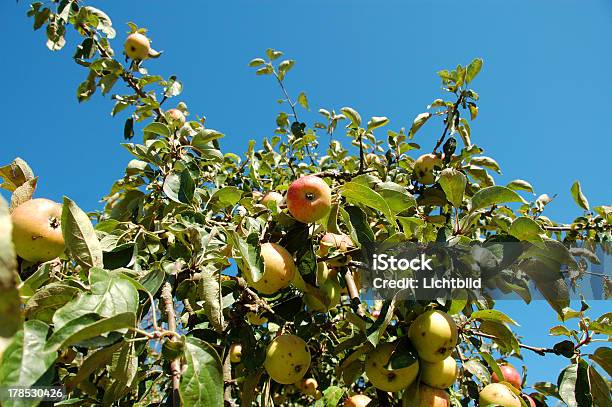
pixel 144 305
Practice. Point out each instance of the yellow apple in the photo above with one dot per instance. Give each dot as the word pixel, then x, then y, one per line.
pixel 287 359
pixel 424 167
pixel 434 335
pixel 309 199
pixel 308 386
pixel 235 352
pixel 255 319
pixel 431 397
pixel 37 232
pixel 388 379
pixel 498 394
pixel 137 46
pixel 440 375
pixel 279 269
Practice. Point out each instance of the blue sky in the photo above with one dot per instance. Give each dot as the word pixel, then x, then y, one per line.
pixel 545 92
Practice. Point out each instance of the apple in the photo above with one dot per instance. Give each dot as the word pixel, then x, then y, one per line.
pixel 308 199
pixel 424 166
pixel 434 335
pixel 37 232
pixel 279 269
pixel 137 46
pixel 498 394
pixel 287 359
pixel 175 118
pixel 329 240
pixel 432 397
pixel 439 375
pixel 388 379
pixel 272 196
pixel 530 401
pixel 358 400
pixel 324 298
pixel 308 386
pixel 235 352
pixel 510 375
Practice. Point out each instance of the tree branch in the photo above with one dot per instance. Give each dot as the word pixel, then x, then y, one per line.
pixel 539 351
pixel 449 121
pixel 175 365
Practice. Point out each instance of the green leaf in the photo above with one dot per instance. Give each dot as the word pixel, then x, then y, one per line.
pixel 579 197
pixel 376 122
pixel 520 185
pixel 505 338
pixel 80 236
pixel 331 397
pixel 417 123
pixel 202 381
pixel 203 137
pixel 209 292
pixel 256 62
pixel 227 196
pixel 526 229
pixel 179 187
pixel 573 383
pixel 157 128
pixel 486 162
pixel 251 261
pixel 473 69
pixel 494 195
pixel 95 361
pixel 15 174
pixel 25 362
pixel 599 388
pixel 453 183
pixel 603 356
pixel 365 195
pixel 352 115
pixel 492 363
pixel 475 367
pixel 10 302
pixel 111 295
pixel 303 100
pixel 273 54
pixel 493 315
pixel 397 196
pixel 559 330
pixel 48 299
pixel 88 326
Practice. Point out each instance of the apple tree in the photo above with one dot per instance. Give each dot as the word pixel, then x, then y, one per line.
pixel 214 278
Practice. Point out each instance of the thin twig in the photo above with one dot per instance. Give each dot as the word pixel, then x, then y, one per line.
pixel 539 351
pixel 449 121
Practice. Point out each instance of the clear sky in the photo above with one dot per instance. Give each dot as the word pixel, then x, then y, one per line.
pixel 545 91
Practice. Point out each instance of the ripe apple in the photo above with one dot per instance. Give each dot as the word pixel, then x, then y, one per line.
pixel 37 232
pixel 272 196
pixel 434 335
pixel 279 269
pixel 308 199
pixel 358 400
pixel 510 375
pixel 498 394
pixel 432 397
pixel 424 167
pixel 235 352
pixel 308 386
pixel 175 118
pixel 137 46
pixel 329 240
pixel 440 375
pixel 388 379
pixel 287 359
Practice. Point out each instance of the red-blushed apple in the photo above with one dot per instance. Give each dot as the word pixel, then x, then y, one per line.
pixel 287 359
pixel 510 375
pixel 137 46
pixel 424 167
pixel 272 196
pixel 279 269
pixel 309 199
pixel 432 397
pixel 358 400
pixel 37 232
pixel 175 118
pixel 329 240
